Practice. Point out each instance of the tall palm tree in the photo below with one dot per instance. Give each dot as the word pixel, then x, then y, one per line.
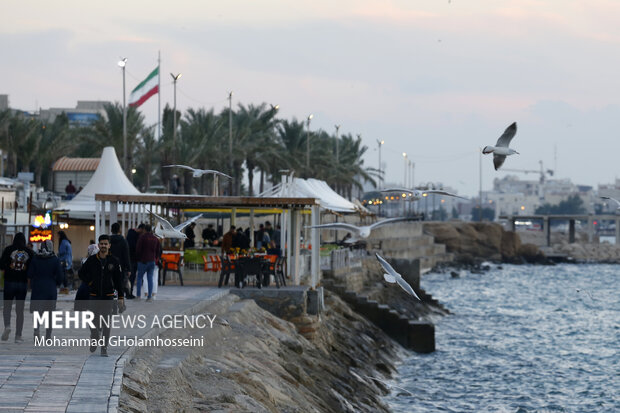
pixel 351 166
pixel 57 139
pixel 198 145
pixel 147 156
pixel 293 140
pixel 257 128
pixel 108 131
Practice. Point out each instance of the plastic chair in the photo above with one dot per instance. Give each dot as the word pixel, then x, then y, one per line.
pixel 172 262
pixel 228 267
pixel 280 270
pixel 216 262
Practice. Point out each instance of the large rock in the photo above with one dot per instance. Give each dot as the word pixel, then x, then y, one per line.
pixel 472 242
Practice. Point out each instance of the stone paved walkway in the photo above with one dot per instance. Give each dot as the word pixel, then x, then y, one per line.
pixel 34 379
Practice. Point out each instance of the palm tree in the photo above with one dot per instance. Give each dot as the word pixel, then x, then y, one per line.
pixel 57 139
pixel 147 155
pixel 22 142
pixel 292 137
pixel 108 131
pixel 198 146
pixel 351 166
pixel 256 128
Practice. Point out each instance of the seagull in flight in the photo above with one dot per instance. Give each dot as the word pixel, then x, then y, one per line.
pixel 612 199
pixel 388 385
pixel 392 276
pixel 197 173
pixel 417 194
pixel 501 150
pixel 358 232
pixel 164 229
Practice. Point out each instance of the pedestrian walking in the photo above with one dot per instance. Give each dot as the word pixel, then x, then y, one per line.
pixel 65 255
pixel 102 272
pixel 45 274
pixel 14 262
pixel 132 240
pixel 148 251
pixel 120 249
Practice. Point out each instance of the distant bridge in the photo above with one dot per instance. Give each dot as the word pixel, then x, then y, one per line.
pixel 546 219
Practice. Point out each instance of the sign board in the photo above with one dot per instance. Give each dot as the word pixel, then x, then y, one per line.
pixel 40 235
pixel 25 176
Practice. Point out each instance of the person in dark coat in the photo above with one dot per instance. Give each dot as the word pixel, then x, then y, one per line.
pixel 191 236
pixel 45 274
pixel 102 272
pixel 14 262
pixel 132 241
pixel 208 235
pixel 120 249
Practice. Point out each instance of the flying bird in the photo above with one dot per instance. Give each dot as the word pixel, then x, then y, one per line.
pixel 392 277
pixel 164 229
pixel 358 232
pixel 612 199
pixel 501 150
pixel 417 194
pixel 386 384
pixel 197 173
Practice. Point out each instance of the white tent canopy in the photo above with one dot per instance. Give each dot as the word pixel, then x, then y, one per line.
pixel 109 178
pixel 313 188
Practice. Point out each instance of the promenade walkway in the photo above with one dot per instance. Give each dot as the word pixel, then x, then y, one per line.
pixel 35 379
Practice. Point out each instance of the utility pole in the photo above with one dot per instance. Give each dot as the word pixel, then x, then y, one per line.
pixel 230 159
pixel 122 64
pixel 337 144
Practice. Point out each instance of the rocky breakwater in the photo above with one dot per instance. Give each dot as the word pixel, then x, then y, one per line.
pixel 472 243
pixel 253 361
pixel 588 252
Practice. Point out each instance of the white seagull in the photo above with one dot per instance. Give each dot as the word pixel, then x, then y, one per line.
pixel 197 173
pixel 164 229
pixel 417 194
pixel 388 385
pixel 358 232
pixel 392 277
pixel 612 199
pixel 501 150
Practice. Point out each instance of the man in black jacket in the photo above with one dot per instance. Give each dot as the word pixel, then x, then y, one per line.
pixel 120 249
pixel 14 262
pixel 102 272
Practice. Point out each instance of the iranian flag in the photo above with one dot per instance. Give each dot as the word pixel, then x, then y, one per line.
pixel 147 88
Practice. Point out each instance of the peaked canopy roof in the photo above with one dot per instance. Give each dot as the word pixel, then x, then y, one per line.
pixel 109 178
pixel 314 188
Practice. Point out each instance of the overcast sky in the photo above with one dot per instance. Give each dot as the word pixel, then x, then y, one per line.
pixel 435 79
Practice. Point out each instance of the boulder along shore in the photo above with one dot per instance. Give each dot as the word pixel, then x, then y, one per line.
pixel 474 242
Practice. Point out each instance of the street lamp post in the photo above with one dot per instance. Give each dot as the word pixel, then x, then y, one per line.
pixel 230 159
pixel 380 143
pixel 174 117
pixel 310 116
pixel 122 64
pixel 337 144
pixel 405 176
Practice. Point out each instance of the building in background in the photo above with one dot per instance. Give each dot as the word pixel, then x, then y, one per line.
pixel 77 170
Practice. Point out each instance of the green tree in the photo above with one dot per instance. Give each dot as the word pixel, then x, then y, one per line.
pixel 572 205
pixel 108 131
pixel 488 214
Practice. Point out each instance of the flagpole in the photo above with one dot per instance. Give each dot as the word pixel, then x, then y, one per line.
pixel 159 95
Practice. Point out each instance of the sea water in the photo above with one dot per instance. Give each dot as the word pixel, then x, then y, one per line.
pixel 519 339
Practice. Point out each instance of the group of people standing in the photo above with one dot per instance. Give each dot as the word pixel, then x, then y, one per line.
pixel 110 271
pixel 45 271
pixel 266 237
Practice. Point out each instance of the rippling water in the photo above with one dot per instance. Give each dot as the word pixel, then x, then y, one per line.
pixel 520 339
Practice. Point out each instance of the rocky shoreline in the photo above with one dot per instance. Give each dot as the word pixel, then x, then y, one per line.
pixel 254 361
